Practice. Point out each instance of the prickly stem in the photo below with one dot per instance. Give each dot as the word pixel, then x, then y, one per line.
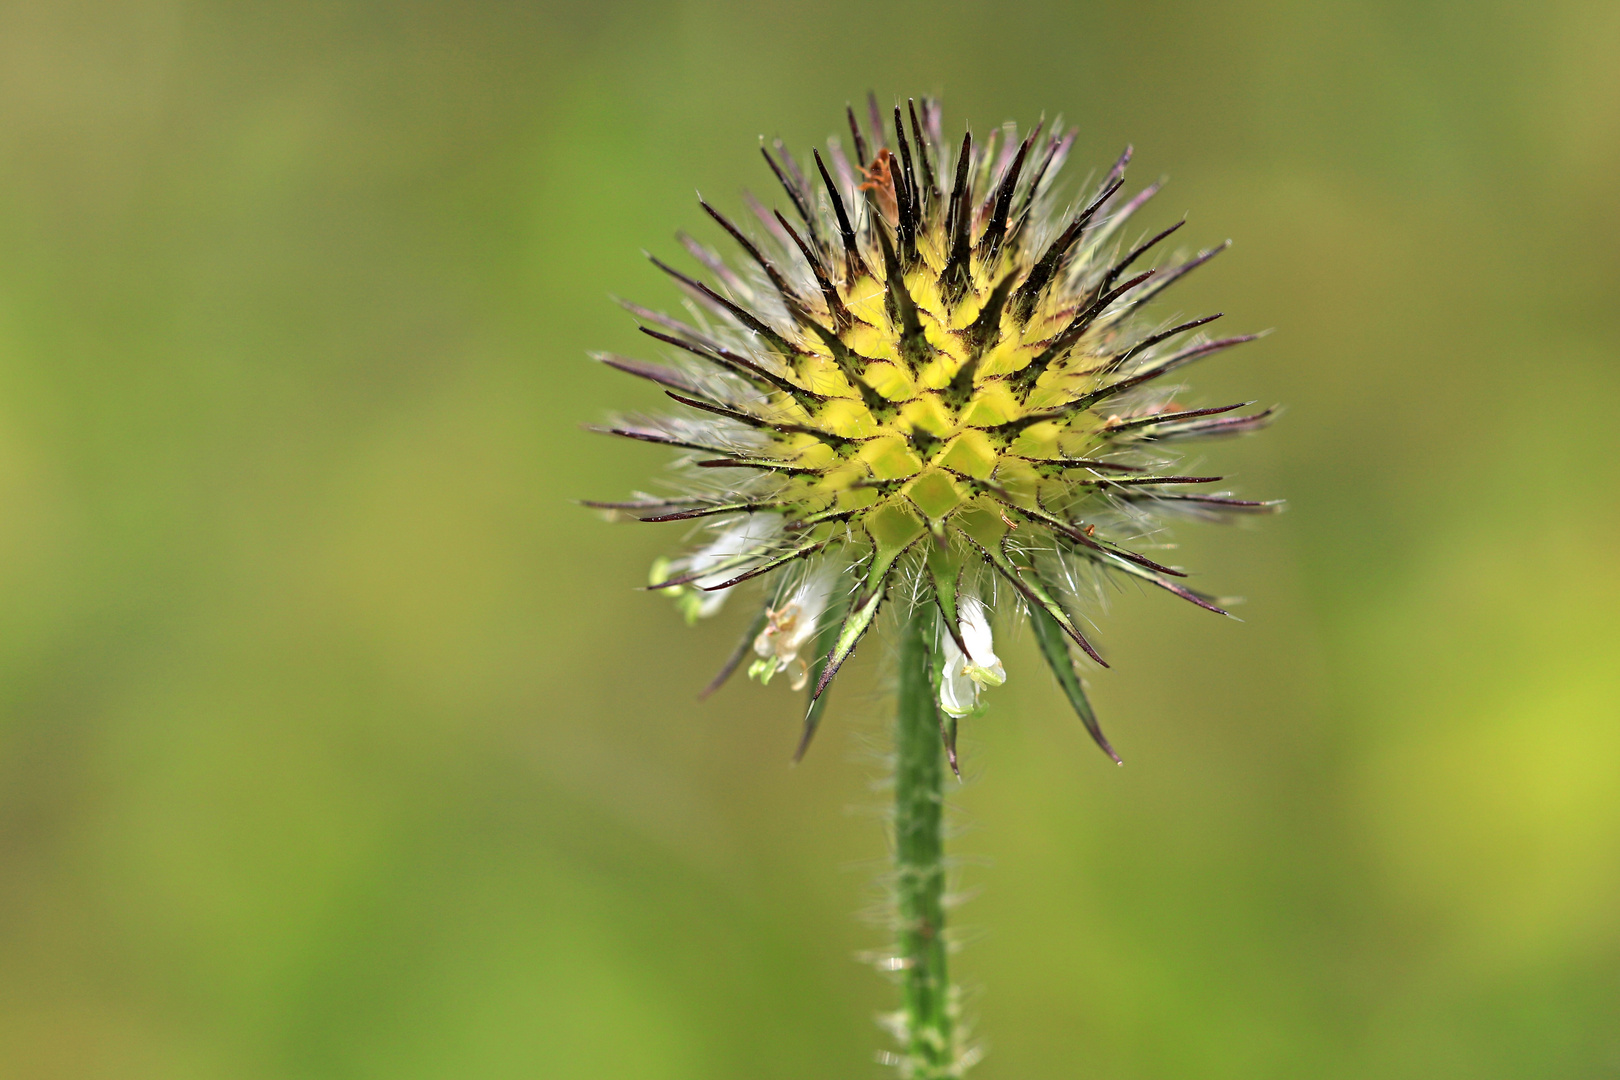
pixel 928 1001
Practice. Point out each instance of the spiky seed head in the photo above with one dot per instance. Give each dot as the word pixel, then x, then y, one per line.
pixel 937 380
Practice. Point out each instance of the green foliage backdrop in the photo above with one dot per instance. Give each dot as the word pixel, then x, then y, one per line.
pixel 336 743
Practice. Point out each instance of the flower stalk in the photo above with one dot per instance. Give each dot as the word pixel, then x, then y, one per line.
pixel 928 1005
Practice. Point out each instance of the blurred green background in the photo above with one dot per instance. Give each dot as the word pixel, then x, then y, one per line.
pixel 337 742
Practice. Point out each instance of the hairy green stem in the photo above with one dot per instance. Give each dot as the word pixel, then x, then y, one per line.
pixel 919 798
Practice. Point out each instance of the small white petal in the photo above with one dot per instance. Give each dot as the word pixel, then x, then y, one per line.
pixel 792 625
pixel 958 693
pixel 738 539
pixel 983 666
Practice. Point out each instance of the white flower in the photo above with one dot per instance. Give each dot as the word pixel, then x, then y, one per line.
pixel 965 673
pixel 792 626
pixel 717 562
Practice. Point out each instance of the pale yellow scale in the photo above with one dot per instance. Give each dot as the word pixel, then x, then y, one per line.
pixel 959 450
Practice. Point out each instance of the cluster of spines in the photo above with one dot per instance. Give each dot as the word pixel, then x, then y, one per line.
pixel 775 395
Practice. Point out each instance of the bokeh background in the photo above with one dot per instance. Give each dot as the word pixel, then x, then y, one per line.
pixel 337 742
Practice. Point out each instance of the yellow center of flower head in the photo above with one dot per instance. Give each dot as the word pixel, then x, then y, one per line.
pixel 933 373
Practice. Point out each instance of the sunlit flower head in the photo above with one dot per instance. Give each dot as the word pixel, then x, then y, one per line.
pixel 936 380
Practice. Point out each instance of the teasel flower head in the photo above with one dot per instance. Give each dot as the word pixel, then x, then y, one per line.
pixel 937 380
